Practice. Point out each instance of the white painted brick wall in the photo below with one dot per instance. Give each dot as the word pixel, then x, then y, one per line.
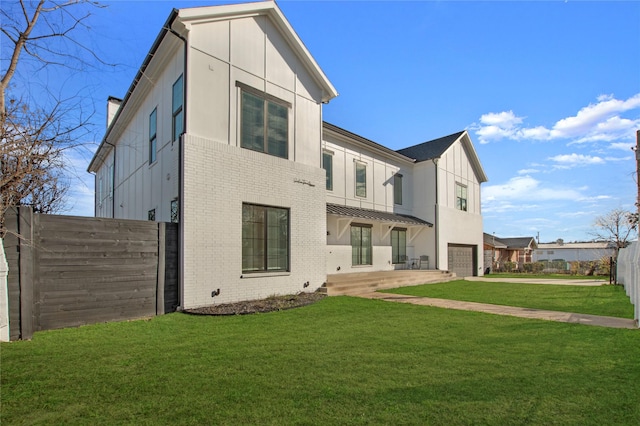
pixel 218 178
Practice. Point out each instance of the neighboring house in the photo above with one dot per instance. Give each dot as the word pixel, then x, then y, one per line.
pixel 571 252
pixel 221 131
pixel 518 250
pixel 494 250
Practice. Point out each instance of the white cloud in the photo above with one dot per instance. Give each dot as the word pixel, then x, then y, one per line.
pixel 528 189
pixel 575 160
pixel 528 171
pixel 601 121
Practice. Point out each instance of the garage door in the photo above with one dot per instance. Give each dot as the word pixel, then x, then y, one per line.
pixel 462 260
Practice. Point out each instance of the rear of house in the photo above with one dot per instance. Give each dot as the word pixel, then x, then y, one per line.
pixel 221 131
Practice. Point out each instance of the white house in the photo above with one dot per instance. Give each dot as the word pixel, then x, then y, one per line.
pixel 571 252
pixel 222 131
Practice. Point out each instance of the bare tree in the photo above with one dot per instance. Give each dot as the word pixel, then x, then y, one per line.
pixel 37 128
pixel 617 226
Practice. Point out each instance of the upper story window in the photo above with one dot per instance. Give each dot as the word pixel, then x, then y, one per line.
pixel 177 113
pixel 151 214
pixel 361 179
pixel 327 165
pixel 461 197
pixel 264 123
pixel 397 188
pixel 153 132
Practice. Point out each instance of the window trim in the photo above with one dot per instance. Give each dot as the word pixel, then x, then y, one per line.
pixel 267 101
pixel 175 113
pixel 153 136
pixel 459 199
pixel 329 171
pixel 364 184
pixel 397 189
pixel 265 248
pixel 398 261
pixel 362 226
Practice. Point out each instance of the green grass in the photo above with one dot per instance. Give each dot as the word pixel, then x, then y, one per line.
pixel 525 275
pixel 604 300
pixel 341 361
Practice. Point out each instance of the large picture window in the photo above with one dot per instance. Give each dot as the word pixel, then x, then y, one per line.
pixel 398 245
pixel 177 109
pixel 327 165
pixel 361 245
pixel 265 124
pixel 265 239
pixel 461 197
pixel 361 180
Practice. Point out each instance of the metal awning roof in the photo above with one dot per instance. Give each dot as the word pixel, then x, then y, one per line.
pixel 376 215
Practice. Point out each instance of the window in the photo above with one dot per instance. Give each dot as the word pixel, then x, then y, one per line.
pixel 174 214
pixel 549 251
pixel 264 123
pixel 361 245
pixel 151 214
pixel 361 180
pixel 177 123
pixel 461 197
pixel 153 127
pixel 397 188
pixel 100 191
pixel 265 239
pixel 327 165
pixel 110 180
pixel 398 245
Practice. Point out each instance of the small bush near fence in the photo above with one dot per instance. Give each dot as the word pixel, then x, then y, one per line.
pixel 600 267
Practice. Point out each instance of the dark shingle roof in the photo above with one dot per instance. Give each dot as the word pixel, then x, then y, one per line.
pixel 374 215
pixel 430 149
pixel 519 242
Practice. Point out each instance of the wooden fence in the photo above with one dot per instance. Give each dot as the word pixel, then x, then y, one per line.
pixel 67 271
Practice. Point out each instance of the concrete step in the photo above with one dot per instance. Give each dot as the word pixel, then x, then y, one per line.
pixel 362 282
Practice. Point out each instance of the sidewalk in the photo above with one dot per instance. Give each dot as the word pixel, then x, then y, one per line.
pixel 585 319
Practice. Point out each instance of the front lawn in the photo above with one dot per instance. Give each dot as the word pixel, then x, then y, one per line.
pixel 342 360
pixel 604 300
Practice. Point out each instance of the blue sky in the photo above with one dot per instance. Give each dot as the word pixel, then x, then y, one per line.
pixel 548 90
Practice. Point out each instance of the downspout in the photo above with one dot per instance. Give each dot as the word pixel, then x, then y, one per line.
pixel 437 216
pixel 180 165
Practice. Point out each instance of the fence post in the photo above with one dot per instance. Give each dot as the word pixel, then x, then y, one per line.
pixel 162 242
pixel 4 297
pixel 26 247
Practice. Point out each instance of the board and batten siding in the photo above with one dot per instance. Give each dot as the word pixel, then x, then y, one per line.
pixel 68 271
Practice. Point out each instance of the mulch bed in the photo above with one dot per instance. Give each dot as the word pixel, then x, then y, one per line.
pixel 270 304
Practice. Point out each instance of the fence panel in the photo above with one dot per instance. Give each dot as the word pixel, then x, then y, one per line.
pixel 72 271
pixel 629 274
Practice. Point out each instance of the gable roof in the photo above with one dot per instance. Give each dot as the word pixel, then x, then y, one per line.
pixel 519 242
pixel 435 148
pixel 177 23
pixel 430 149
pixel 493 241
pixel 270 9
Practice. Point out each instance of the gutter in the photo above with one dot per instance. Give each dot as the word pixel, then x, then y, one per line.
pixel 165 28
pixel 436 219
